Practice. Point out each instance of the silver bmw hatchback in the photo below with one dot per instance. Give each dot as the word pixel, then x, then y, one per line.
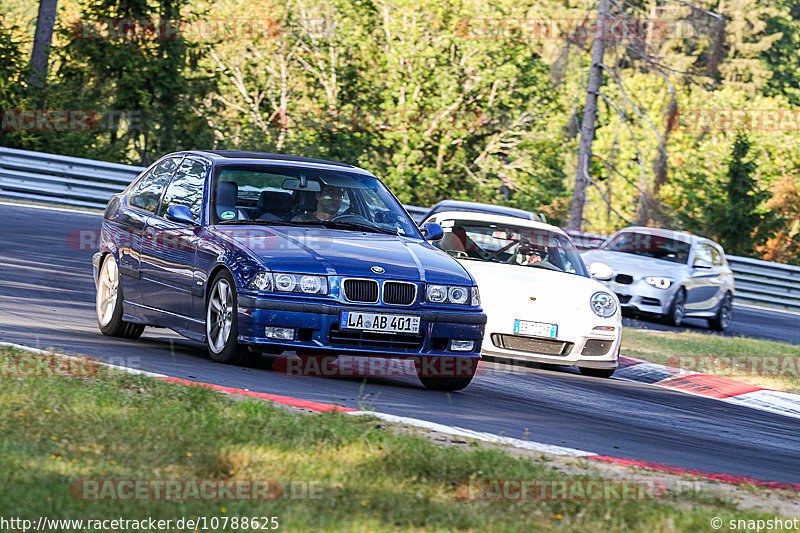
pixel 673 274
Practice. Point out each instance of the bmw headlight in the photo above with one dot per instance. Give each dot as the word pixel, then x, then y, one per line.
pixel 603 304
pixel 289 282
pixel 476 297
pixel 661 283
pixel 451 294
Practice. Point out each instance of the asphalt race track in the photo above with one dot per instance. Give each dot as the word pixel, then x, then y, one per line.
pixel 47 301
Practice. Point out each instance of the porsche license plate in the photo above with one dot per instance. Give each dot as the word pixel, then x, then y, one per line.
pixel 379 322
pixel 537 329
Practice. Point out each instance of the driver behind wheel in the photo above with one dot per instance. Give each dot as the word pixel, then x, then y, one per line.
pixel 329 202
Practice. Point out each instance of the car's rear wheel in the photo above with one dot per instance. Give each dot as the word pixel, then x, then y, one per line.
pixel 222 328
pixel 433 381
pixel 724 314
pixel 677 310
pixel 597 372
pixel 108 303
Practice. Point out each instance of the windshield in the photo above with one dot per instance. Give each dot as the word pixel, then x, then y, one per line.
pixel 513 245
pixel 270 195
pixel 649 244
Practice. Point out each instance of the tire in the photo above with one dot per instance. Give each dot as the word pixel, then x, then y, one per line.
pixel 597 372
pixel 108 303
pixel 724 314
pixel 222 328
pixel 677 311
pixel 449 383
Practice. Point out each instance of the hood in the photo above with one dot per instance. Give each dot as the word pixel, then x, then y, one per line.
pixel 345 253
pixel 514 286
pixel 635 265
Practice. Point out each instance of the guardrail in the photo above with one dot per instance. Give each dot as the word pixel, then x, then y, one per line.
pixel 83 182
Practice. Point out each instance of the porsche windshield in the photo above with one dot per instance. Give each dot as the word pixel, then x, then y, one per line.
pixel 513 245
pixel 248 194
pixel 650 244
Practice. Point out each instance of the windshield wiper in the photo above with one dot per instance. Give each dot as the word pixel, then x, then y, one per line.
pixel 355 226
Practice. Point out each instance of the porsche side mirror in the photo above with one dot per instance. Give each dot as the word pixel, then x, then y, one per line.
pixel 600 271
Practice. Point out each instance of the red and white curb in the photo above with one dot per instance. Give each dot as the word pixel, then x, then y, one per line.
pixel 441 428
pixel 719 388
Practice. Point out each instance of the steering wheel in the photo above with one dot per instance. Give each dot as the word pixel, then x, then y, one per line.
pixel 349 217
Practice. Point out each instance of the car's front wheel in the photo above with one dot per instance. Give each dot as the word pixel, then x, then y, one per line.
pixel 221 321
pixel 597 372
pixel 430 373
pixel 108 303
pixel 724 314
pixel 677 310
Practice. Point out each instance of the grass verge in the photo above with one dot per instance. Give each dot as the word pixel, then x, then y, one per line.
pixel 111 425
pixel 773 365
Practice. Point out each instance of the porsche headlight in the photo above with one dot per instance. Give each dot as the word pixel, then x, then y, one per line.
pixel 603 304
pixel 289 282
pixel 661 283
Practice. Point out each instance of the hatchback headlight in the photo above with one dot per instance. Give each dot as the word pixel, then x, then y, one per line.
pixel 289 282
pixel 450 294
pixel 661 283
pixel 603 304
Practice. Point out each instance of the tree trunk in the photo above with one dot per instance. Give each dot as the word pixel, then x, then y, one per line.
pixel 41 41
pixel 589 117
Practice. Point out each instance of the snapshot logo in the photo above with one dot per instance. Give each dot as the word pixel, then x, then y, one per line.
pixel 562 490
pixel 60 120
pixel 194 490
pixel 738 119
pixel 26 366
pixel 733 365
pixel 197 30
pixel 573 29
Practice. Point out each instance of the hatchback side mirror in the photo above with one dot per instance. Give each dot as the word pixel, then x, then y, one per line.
pixel 180 213
pixel 432 231
pixel 701 263
pixel 600 271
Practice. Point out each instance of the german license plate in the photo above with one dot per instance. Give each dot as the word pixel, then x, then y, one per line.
pixel 379 322
pixel 536 329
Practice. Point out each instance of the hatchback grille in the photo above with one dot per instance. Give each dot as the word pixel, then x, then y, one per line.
pixel 367 339
pixel 624 298
pixel 650 301
pixel 399 293
pixel 529 344
pixel 361 290
pixel 624 279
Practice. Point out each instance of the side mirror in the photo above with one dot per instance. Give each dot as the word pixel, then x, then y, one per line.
pixel 701 263
pixel 600 271
pixel 432 231
pixel 180 213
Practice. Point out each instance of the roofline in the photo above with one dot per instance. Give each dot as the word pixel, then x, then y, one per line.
pixel 221 159
pixel 504 219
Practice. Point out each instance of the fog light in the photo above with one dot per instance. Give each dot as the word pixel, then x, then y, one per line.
pixel 461 346
pixel 603 328
pixel 281 334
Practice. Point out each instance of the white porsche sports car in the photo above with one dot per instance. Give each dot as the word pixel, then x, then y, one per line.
pixel 541 303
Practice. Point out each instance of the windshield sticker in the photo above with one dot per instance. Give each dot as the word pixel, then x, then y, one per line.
pixel 227 215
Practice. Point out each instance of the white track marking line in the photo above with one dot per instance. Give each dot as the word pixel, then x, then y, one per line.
pixel 49 208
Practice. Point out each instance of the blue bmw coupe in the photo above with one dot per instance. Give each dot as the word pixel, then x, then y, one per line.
pixel 265 253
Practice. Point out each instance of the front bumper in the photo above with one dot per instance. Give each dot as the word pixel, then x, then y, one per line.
pixel 643 297
pixel 575 350
pixel 316 329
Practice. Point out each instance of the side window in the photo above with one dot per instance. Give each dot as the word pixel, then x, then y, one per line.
pixel 703 252
pixel 186 188
pixel 147 192
pixel 716 257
